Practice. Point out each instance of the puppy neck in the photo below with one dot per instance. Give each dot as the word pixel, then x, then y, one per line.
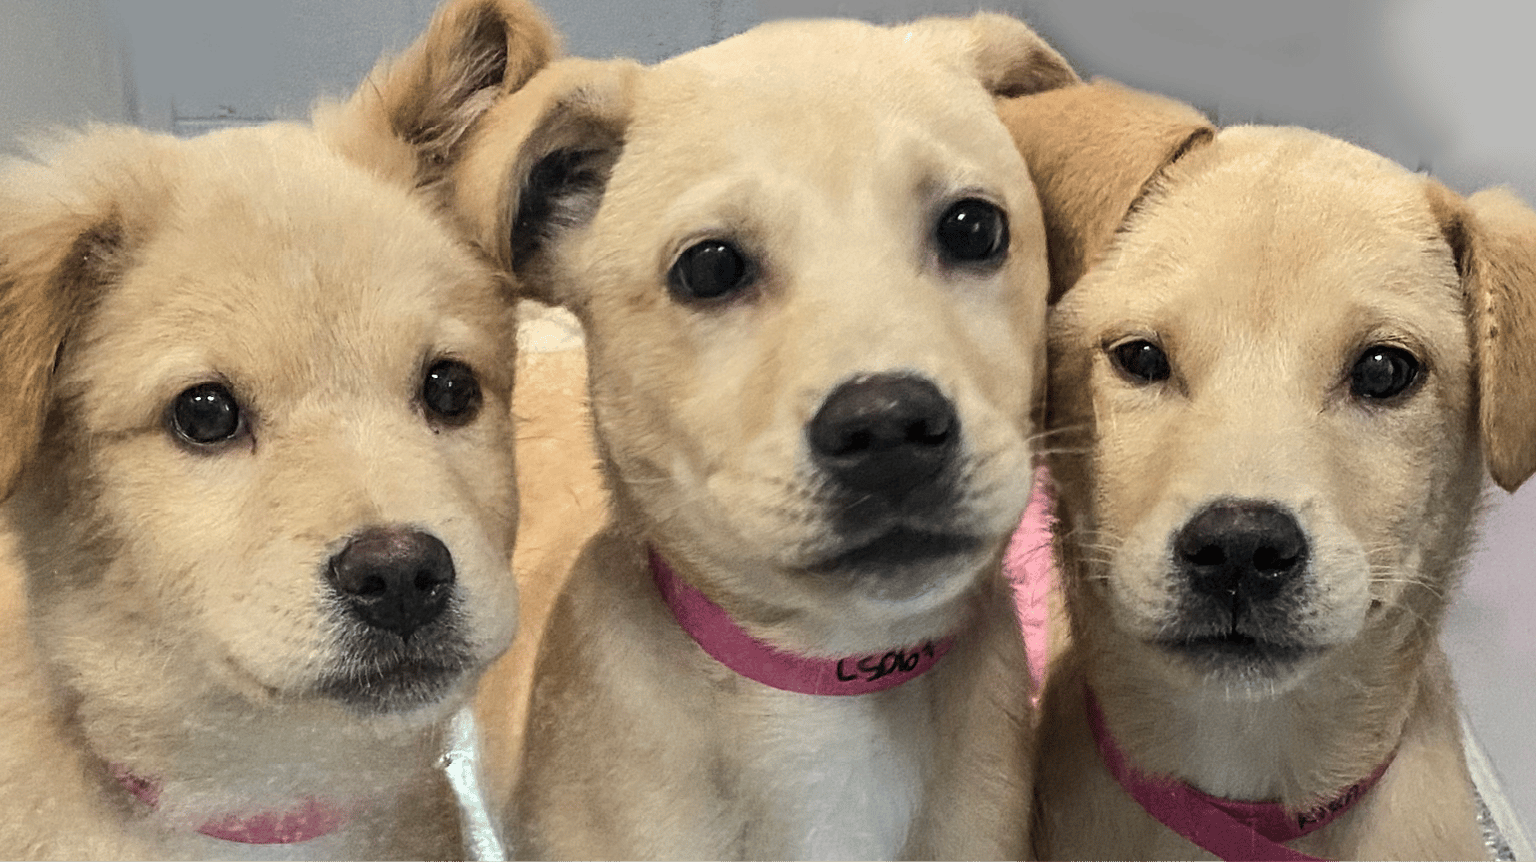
pixel 721 638
pixel 1231 830
pixel 1298 747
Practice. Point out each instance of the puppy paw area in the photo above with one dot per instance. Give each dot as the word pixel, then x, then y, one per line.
pixel 767 430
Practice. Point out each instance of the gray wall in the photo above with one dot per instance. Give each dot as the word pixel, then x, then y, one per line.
pixel 1440 84
pixel 61 62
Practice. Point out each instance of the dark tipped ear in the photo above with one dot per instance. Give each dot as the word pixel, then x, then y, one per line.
pixel 553 146
pixel 1005 55
pixel 1493 236
pixel 65 226
pixel 1092 151
pixel 407 119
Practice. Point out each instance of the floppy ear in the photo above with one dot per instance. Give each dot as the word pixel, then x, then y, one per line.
pixel 409 115
pixel 1493 236
pixel 1092 151
pixel 65 226
pixel 1002 52
pixel 538 166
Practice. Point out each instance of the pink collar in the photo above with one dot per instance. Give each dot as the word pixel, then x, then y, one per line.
pixel 1230 830
pixel 310 819
pixel 718 635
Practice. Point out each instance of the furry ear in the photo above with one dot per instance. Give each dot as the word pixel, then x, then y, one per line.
pixel 65 227
pixel 1493 236
pixel 407 118
pixel 1092 151
pixel 553 145
pixel 1002 52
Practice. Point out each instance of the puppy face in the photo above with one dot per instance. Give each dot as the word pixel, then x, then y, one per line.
pixel 813 302
pixel 275 459
pixel 1267 398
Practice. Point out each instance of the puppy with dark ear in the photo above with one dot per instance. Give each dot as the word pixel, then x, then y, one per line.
pixel 776 244
pixel 409 116
pixel 1280 366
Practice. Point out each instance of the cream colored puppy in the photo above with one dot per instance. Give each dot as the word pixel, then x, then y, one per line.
pixel 811 272
pixel 255 451
pixel 1276 390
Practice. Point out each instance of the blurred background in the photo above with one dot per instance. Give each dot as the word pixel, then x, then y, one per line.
pixel 1439 85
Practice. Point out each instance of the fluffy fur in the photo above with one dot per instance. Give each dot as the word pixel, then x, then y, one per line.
pixel 169 609
pixel 587 184
pixel 1265 262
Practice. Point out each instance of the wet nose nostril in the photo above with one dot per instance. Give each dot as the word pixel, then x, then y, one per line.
pixel 1270 560
pixel 1207 556
pixel 370 587
pixel 928 431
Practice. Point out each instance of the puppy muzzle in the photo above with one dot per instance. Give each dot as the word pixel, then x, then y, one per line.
pixel 1241 569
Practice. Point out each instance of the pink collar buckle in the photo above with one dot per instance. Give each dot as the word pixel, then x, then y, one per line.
pixel 722 639
pixel 1230 830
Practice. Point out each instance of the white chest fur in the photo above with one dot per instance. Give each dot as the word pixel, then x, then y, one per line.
pixel 836 777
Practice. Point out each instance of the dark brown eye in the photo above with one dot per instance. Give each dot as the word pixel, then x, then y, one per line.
pixel 1141 360
pixel 972 231
pixel 1382 372
pixel 709 270
pixel 206 414
pixel 450 392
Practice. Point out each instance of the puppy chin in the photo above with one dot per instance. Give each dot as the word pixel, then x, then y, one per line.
pixel 380 673
pixel 1240 665
pixel 905 566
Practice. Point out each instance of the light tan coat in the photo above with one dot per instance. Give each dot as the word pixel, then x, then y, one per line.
pixel 166 603
pixel 1265 262
pixel 826 149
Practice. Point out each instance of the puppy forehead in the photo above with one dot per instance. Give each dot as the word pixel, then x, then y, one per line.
pixel 279 261
pixel 1289 228
pixel 824 98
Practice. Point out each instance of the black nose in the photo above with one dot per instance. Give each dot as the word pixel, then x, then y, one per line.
pixel 885 434
pixel 1241 549
pixel 394 578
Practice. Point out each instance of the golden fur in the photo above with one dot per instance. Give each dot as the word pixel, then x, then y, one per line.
pixel 168 608
pixel 1264 261
pixel 586 184
pixel 559 480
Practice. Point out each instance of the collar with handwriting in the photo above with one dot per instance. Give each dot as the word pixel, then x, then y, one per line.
pixel 722 639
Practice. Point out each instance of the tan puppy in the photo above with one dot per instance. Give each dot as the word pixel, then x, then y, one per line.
pixel 812 275
pixel 1275 390
pixel 255 451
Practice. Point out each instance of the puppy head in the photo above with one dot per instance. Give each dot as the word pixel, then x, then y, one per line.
pixel 1268 399
pixel 259 444
pixel 813 299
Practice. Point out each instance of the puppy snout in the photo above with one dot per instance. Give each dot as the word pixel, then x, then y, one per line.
pixel 394 578
pixel 1241 551
pixel 884 434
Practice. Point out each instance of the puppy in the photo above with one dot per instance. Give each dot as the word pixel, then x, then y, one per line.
pixel 257 468
pixel 811 274
pixel 1275 389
